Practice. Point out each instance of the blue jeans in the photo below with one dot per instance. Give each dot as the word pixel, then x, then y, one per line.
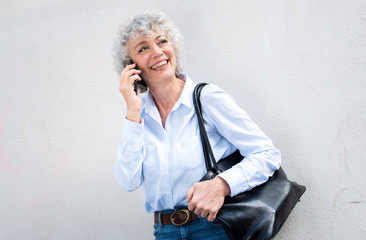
pixel 200 229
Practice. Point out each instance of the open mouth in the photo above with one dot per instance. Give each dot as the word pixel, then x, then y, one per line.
pixel 160 65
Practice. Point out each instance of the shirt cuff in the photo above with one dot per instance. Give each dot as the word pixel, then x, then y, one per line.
pixel 237 184
pixel 132 131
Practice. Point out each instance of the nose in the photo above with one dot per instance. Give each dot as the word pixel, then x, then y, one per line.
pixel 156 51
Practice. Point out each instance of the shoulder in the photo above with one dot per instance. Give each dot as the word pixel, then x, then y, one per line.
pixel 212 93
pixel 217 104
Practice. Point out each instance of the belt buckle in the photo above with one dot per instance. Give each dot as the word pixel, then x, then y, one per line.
pixel 178 214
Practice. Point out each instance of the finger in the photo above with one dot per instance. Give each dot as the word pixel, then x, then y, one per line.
pixel 190 193
pixel 134 78
pixel 127 83
pixel 128 80
pixel 204 214
pixel 211 216
pixel 198 211
pixel 133 71
pixel 129 73
pixel 191 207
pixel 130 66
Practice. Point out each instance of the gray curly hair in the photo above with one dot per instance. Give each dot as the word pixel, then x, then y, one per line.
pixel 143 25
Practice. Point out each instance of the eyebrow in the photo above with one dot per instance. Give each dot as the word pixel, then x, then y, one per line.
pixel 143 42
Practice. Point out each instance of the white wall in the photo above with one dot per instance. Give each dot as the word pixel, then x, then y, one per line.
pixel 297 67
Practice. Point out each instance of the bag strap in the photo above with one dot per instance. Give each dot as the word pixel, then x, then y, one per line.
pixel 211 164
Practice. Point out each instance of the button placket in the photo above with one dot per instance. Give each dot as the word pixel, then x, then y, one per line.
pixel 165 153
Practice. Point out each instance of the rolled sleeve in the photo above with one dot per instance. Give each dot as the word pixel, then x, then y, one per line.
pixel 132 131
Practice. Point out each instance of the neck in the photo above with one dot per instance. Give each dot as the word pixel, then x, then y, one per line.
pixel 166 95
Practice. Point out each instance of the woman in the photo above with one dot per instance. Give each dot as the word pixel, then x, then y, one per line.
pixel 160 147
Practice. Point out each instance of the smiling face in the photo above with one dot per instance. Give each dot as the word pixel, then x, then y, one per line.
pixel 154 56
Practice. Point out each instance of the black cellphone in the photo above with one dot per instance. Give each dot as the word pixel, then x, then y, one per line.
pixel 139 86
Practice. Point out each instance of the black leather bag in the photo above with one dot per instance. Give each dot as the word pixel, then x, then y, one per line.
pixel 256 214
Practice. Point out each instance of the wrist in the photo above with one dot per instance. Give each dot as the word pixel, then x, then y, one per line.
pixel 225 186
pixel 134 116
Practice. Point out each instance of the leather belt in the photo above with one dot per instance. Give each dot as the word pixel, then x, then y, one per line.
pixel 178 218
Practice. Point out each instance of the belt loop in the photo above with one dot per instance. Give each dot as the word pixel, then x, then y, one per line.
pixel 159 219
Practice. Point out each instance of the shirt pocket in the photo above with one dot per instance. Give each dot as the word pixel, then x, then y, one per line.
pixel 150 162
pixel 190 153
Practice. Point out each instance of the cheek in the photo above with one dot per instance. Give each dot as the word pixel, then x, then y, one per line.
pixel 174 57
pixel 143 76
pixel 174 61
pixel 141 64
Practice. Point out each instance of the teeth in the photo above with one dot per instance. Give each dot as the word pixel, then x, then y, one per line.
pixel 162 63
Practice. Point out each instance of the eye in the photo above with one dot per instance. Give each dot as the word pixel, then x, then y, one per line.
pixel 142 49
pixel 163 41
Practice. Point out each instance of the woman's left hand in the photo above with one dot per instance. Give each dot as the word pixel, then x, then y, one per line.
pixel 207 197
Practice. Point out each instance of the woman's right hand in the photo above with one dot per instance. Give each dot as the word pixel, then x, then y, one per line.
pixel 134 103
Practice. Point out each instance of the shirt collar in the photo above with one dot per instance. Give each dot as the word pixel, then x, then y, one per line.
pixel 184 99
pixel 150 102
pixel 186 95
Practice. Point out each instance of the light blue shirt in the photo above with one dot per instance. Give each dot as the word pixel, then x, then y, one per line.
pixel 167 162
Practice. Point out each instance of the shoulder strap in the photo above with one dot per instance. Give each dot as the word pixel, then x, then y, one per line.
pixel 211 164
